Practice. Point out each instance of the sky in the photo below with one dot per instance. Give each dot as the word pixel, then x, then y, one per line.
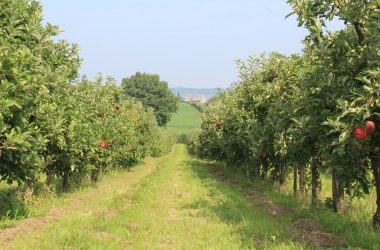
pixel 192 43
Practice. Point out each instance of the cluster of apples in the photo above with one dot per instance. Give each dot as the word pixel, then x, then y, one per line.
pixel 103 144
pixel 361 133
pixel 218 122
pixel 116 107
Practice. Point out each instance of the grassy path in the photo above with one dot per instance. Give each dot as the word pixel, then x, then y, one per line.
pixel 174 202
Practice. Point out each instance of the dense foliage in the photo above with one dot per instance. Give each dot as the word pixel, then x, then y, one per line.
pixel 304 113
pixel 52 123
pixel 152 93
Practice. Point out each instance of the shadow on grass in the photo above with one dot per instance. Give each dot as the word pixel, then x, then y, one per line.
pixel 358 234
pixel 252 225
pixel 13 207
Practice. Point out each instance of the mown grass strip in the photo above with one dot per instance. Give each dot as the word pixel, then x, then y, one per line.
pixel 181 205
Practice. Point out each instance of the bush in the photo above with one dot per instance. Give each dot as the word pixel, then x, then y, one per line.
pixel 183 139
pixel 11 204
pixel 164 142
pixel 194 145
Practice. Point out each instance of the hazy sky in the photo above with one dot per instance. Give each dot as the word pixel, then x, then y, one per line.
pixel 192 43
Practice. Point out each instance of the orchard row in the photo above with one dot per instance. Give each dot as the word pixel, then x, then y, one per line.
pixel 301 114
pixel 53 124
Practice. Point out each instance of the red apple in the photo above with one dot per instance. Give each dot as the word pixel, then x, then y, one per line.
pixel 360 133
pixel 1 153
pixel 102 144
pixel 101 115
pixel 370 126
pixel 110 141
pixel 361 161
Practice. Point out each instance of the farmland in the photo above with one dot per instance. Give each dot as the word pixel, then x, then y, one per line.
pixel 185 120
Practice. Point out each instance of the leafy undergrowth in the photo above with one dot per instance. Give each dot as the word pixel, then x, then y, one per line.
pixel 174 202
pixel 11 206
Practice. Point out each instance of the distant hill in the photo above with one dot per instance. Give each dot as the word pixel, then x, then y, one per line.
pixel 183 92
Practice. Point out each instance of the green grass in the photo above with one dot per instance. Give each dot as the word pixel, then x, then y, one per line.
pixel 354 223
pixel 170 203
pixel 185 120
pixel 173 202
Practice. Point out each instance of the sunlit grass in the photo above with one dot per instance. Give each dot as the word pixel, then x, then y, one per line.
pixel 178 204
pixel 185 120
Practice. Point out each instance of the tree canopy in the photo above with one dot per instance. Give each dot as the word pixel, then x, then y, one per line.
pixel 153 93
pixel 314 111
pixel 53 123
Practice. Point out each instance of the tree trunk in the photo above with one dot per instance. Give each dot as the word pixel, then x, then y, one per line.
pixel 94 176
pixel 340 189
pixel 302 180
pixel 359 32
pixel 50 178
pixel 336 191
pixel 28 195
pixel 376 175
pixel 282 175
pixel 256 171
pixel 264 173
pixel 66 185
pixel 295 181
pixel 316 184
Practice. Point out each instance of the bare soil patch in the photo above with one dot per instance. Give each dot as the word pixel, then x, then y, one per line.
pixel 8 234
pixel 310 232
pixel 172 214
pixel 104 235
pixel 132 226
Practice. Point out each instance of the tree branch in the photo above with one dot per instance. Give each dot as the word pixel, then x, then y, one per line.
pixel 359 32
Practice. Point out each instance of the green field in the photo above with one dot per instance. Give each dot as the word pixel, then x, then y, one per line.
pixel 186 119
